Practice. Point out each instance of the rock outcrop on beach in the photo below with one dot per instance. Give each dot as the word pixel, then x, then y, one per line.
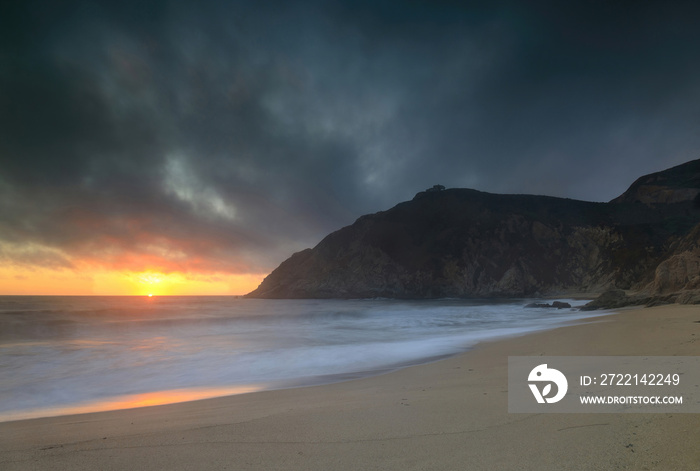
pixel 680 271
pixel 467 243
pixel 677 277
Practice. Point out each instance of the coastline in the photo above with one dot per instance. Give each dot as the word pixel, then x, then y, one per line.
pixel 447 414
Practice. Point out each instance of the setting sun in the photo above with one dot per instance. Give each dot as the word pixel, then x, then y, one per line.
pixel 91 281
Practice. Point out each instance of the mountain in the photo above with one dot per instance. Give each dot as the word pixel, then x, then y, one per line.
pixel 677 184
pixel 467 243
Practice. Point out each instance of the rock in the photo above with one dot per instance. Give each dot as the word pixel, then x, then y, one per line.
pixel 660 300
pixel 608 300
pixel 689 297
pixel 681 269
pixel 616 298
pixel 561 305
pixel 554 305
pixel 471 244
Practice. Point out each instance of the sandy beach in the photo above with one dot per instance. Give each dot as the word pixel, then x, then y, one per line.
pixel 450 414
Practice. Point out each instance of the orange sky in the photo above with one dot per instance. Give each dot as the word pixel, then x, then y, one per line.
pixel 36 269
pixel 16 280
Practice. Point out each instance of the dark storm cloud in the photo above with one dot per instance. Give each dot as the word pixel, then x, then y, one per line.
pixel 224 136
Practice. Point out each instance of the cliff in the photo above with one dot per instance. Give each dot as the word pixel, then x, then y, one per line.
pixel 466 243
pixel 677 277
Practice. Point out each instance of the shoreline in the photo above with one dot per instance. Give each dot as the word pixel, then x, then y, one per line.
pixel 548 319
pixel 437 415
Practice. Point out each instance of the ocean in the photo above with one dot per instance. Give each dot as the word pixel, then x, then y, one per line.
pixel 72 354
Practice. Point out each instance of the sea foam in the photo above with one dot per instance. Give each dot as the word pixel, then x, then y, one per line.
pixel 76 354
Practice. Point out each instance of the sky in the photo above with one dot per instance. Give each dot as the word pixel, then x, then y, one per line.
pixel 163 147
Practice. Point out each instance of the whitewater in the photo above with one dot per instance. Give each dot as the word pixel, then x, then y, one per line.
pixel 70 354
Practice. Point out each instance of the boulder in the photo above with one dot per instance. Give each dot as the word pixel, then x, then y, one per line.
pixel 554 305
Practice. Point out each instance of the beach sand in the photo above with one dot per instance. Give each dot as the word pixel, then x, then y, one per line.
pixel 450 414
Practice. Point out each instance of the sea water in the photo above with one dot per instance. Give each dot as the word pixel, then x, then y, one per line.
pixel 68 354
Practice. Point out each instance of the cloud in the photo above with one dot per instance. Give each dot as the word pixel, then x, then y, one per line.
pixel 222 136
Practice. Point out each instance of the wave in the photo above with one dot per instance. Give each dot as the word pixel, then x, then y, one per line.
pixel 67 352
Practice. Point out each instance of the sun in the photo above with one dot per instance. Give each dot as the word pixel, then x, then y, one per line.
pixel 150 295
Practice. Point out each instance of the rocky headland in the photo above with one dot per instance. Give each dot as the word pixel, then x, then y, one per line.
pixel 641 247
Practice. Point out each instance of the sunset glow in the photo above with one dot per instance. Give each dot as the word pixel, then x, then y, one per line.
pixel 133 401
pixel 44 281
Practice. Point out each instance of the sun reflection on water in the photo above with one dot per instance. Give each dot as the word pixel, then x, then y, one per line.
pixel 132 401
